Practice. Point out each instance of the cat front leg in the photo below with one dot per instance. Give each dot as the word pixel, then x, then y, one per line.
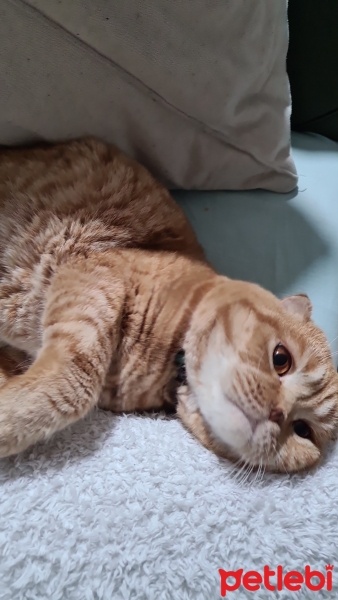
pixel 81 329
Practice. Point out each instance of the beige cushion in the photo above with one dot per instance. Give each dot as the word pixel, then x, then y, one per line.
pixel 195 89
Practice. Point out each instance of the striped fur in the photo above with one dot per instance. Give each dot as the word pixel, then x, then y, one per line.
pixel 102 281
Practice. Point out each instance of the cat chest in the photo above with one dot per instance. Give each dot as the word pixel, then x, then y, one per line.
pixel 139 383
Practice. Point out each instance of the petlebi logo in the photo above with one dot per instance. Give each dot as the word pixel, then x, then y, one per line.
pixel 276 579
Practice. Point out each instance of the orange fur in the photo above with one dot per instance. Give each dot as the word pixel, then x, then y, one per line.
pixel 102 281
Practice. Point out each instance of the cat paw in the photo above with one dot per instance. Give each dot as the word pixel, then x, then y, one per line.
pixel 8 435
pixel 15 422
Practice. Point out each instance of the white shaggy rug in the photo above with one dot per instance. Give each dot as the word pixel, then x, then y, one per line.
pixel 134 508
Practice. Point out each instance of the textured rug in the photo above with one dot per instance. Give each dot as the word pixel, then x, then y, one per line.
pixel 129 508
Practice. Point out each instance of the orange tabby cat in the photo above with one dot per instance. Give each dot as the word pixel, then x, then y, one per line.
pixel 104 288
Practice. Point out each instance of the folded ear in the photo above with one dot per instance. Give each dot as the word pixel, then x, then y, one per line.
pixel 298 305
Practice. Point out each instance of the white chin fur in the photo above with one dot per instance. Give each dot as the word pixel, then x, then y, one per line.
pixel 226 421
pixel 211 389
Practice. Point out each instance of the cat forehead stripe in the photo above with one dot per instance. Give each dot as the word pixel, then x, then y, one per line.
pixel 327 406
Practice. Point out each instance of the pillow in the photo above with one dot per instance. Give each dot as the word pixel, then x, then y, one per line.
pixel 197 91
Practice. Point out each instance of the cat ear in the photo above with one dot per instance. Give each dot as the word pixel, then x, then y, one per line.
pixel 298 305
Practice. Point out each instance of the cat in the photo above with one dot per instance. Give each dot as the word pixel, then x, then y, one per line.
pixel 107 299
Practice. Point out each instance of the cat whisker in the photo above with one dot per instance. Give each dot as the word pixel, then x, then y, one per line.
pixel 24 364
pixel 264 464
pixel 234 469
pixel 334 339
pixel 239 475
pixel 263 473
pixel 282 462
pixel 258 477
pixel 245 474
pixel 248 474
pixel 235 466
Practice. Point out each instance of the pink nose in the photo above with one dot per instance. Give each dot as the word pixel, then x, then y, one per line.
pixel 277 416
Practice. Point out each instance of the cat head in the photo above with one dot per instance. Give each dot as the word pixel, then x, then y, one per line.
pixel 261 384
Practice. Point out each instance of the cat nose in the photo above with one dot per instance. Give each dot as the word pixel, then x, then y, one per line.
pixel 277 416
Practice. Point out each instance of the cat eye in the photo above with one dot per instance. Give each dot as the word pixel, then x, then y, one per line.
pixel 302 429
pixel 282 360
